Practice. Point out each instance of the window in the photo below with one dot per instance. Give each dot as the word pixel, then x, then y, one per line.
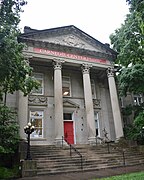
pixel 40 79
pixel 36 119
pixel 67 116
pixel 66 86
pixel 97 123
pixel 138 99
pixel 93 89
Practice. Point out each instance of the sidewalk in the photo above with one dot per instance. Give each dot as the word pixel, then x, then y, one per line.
pixel 89 175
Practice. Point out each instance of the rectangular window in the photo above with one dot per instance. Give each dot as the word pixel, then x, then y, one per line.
pixel 138 99
pixel 36 119
pixel 66 86
pixel 67 116
pixel 93 89
pixel 97 123
pixel 40 78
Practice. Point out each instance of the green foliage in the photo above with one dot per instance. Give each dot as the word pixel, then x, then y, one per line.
pixel 9 130
pixel 128 40
pixel 131 176
pixel 131 79
pixel 127 111
pixel 136 131
pixel 6 173
pixel 15 72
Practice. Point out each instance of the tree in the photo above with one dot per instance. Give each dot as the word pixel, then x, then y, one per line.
pixel 15 72
pixel 9 136
pixel 131 79
pixel 128 41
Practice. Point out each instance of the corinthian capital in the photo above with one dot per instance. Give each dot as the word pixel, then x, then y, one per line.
pixel 110 71
pixel 58 63
pixel 86 68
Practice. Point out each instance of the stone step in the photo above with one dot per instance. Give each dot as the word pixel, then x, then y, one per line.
pixel 52 159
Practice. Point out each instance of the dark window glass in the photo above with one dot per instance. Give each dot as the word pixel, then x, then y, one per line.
pixel 67 116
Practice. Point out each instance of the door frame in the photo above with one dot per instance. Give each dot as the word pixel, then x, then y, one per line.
pixel 71 112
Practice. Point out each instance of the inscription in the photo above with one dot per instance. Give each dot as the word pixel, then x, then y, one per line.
pixel 68 55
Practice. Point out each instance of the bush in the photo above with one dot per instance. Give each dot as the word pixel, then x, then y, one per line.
pixel 6 173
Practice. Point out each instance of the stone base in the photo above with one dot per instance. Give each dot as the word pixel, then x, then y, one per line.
pixel 60 142
pixel 92 140
pixel 28 168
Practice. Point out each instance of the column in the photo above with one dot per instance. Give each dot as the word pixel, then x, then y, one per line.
pixel 22 113
pixel 23 105
pixel 115 103
pixel 58 99
pixel 88 103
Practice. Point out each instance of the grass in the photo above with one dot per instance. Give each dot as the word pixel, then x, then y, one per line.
pixel 131 176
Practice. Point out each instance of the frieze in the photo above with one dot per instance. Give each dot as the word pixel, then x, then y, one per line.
pixel 68 50
pixel 68 55
pixel 37 100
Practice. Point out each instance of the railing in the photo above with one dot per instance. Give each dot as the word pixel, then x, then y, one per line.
pixel 103 141
pixel 75 150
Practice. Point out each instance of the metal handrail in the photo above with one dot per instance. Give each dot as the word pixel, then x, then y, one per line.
pixel 72 147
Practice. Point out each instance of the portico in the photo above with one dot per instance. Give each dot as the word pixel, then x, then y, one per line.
pixel 70 102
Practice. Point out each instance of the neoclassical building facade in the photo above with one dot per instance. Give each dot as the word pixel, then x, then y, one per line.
pixel 77 98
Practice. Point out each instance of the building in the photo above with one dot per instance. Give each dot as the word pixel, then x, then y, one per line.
pixel 77 98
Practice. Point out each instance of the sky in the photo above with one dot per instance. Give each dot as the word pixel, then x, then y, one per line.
pixel 98 18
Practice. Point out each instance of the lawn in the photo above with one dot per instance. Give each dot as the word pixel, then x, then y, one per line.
pixel 131 176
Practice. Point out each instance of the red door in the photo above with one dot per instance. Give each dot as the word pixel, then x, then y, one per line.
pixel 68 132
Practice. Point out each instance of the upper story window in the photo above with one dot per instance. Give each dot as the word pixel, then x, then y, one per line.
pixel 93 89
pixel 40 78
pixel 138 99
pixel 66 86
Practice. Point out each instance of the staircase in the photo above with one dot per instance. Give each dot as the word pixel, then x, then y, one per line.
pixel 52 159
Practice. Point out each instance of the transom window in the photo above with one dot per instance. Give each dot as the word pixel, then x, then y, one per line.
pixel 93 89
pixel 67 116
pixel 36 119
pixel 40 78
pixel 138 99
pixel 66 86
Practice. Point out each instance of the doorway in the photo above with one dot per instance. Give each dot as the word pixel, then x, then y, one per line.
pixel 68 128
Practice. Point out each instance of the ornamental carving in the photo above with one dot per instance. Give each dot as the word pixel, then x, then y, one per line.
pixel 72 41
pixel 37 100
pixel 86 68
pixel 58 63
pixel 110 72
pixel 96 103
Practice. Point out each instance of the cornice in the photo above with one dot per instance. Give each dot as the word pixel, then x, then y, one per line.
pixel 68 49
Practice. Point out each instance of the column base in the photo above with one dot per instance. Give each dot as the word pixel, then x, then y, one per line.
pixel 92 140
pixel 60 142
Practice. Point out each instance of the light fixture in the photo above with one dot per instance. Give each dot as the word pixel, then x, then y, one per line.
pixel 65 93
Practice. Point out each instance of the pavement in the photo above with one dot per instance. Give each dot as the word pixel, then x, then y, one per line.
pixel 90 175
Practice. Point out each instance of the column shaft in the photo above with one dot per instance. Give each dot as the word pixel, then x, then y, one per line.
pixel 88 103
pixel 115 104
pixel 58 99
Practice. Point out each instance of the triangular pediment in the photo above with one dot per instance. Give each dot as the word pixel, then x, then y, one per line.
pixel 71 104
pixel 68 36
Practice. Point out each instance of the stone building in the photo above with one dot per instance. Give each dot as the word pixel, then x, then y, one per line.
pixel 77 98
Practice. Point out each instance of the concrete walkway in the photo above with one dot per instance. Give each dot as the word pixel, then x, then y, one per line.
pixel 89 175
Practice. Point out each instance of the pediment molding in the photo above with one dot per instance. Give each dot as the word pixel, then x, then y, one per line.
pixel 68 36
pixel 69 103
